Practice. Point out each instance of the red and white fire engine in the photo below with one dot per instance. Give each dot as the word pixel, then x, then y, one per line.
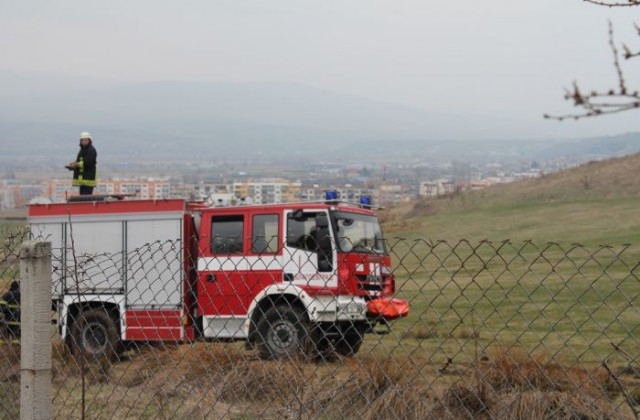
pixel 278 276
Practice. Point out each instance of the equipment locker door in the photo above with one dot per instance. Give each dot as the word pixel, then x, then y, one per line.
pixel 93 256
pixel 154 287
pixel 154 263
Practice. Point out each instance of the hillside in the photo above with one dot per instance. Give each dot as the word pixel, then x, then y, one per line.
pixel 606 179
pixel 594 203
pixel 173 118
pixel 267 120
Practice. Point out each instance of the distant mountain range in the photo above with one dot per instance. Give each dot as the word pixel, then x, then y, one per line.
pixel 42 115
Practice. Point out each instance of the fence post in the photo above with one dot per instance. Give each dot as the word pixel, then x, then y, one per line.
pixel 35 348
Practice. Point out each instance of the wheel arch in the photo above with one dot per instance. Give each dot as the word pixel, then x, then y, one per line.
pixel 271 297
pixel 75 309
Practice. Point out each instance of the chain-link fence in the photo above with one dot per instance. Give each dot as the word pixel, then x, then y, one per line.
pixel 495 330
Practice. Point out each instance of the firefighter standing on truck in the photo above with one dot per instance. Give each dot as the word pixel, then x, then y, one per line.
pixel 85 166
pixel 10 308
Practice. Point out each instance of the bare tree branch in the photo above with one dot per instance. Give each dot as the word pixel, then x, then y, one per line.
pixel 627 52
pixel 616 62
pixel 628 3
pixel 611 101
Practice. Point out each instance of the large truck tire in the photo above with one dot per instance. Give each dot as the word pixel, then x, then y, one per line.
pixel 94 335
pixel 283 332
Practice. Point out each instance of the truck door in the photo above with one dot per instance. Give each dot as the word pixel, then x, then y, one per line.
pixel 309 259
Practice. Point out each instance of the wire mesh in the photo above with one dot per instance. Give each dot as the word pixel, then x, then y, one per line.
pixel 495 330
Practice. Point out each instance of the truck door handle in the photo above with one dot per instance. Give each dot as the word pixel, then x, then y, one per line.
pixel 211 278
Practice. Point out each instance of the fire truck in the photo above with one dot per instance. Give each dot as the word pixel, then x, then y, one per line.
pixel 287 278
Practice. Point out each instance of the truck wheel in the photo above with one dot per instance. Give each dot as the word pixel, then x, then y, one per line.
pixel 282 333
pixel 94 333
pixel 349 341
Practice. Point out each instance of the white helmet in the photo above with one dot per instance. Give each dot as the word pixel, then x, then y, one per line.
pixel 85 135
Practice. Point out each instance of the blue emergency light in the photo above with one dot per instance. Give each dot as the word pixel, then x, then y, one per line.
pixel 331 195
pixel 365 201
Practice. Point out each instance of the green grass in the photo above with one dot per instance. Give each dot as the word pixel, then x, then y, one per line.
pixel 573 316
pixel 569 302
pixel 542 264
pixel 592 222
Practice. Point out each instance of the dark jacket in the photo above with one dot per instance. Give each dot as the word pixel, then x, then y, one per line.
pixel 10 307
pixel 86 173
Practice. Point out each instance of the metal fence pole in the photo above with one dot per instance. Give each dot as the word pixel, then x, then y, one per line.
pixel 35 353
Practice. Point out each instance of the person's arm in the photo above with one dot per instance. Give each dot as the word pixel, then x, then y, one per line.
pixel 89 160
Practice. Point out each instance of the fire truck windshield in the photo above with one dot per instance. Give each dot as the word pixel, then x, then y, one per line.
pixel 358 233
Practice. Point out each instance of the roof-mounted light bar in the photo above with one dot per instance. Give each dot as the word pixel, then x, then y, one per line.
pixel 331 196
pixel 365 201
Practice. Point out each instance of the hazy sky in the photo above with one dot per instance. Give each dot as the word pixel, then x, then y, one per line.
pixel 503 57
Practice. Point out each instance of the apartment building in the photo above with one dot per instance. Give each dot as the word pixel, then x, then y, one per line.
pixel 347 193
pixel 57 190
pixel 392 193
pixel 267 191
pixel 436 188
pixel 15 195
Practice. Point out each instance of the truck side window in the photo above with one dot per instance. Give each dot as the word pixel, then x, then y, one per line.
pixel 264 235
pixel 227 233
pixel 301 232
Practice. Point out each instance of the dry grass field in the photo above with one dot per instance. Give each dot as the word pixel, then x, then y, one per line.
pixel 215 380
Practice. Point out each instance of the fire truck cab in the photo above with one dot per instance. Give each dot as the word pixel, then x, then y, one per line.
pixel 286 278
